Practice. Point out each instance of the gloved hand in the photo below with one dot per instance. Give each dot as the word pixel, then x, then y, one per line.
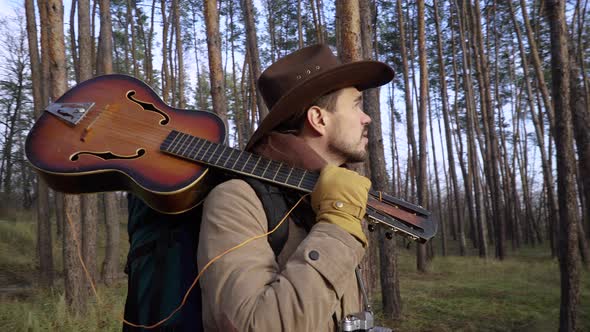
pixel 340 198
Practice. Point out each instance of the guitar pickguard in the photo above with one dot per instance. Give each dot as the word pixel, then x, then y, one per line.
pixel 148 107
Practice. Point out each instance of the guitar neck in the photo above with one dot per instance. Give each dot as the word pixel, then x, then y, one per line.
pixel 400 216
pixel 241 162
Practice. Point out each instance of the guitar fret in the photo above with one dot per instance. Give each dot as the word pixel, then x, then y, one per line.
pixel 282 173
pixel 296 174
pixel 238 158
pixel 272 168
pixel 200 145
pixel 188 145
pixel 169 145
pixel 277 173
pixel 309 181
pixel 220 154
pixel 213 153
pixel 181 144
pixel 172 145
pixel 289 175
pixel 204 157
pixel 246 162
pixel 299 184
pixel 255 165
pixel 255 170
pixel 229 157
pixel 266 168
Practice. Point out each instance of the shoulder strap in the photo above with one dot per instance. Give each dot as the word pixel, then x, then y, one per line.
pixel 275 207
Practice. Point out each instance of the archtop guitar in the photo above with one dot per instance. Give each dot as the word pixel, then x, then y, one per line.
pixel 114 133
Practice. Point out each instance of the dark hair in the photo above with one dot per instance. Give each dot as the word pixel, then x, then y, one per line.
pixel 295 123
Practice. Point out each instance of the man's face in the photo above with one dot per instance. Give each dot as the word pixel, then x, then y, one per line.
pixel 348 129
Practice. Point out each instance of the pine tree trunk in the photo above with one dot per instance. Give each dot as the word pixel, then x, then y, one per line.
pixel 179 53
pixel 422 184
pixel 165 70
pixel 376 149
pixel 149 52
pixel 73 46
pixel 413 152
pixel 105 57
pixel 461 152
pixel 252 45
pixel 131 22
pixel 447 121
pixel 110 266
pixel 472 175
pixel 581 121
pixel 299 25
pixel 89 202
pixel 545 164
pixel 44 244
pixel 534 54
pixel 315 21
pixel 490 148
pixel 74 282
pixel 569 259
pixel 215 68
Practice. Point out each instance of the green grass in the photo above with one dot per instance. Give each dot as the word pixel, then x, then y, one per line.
pixel 522 293
pixel 45 310
pixel 36 309
pixel 457 294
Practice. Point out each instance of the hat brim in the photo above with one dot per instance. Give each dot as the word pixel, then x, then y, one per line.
pixel 362 75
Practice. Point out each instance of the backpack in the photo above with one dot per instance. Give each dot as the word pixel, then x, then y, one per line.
pixel 161 263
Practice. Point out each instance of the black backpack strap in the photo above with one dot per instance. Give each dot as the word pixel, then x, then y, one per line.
pixel 275 208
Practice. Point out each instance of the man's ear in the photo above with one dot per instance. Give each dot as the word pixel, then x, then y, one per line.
pixel 317 120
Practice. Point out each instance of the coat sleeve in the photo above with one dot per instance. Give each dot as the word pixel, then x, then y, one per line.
pixel 246 288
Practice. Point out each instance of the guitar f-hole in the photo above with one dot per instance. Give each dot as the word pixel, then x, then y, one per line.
pixel 148 107
pixel 107 155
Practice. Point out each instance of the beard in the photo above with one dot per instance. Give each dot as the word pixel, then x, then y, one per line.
pixel 351 152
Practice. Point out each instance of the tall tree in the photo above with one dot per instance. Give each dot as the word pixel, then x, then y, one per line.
pixel 254 57
pixel 108 202
pixel 89 202
pixel 538 125
pixel 389 276
pixel 105 40
pixel 44 241
pixel 446 119
pixel 423 144
pixel 179 54
pixel 569 259
pixel 74 277
pixel 215 68
pixel 165 66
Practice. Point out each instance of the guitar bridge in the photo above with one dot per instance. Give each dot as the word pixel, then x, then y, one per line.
pixel 71 113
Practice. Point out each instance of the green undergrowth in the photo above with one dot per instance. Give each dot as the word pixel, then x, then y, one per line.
pixel 27 307
pixel 46 310
pixel 521 293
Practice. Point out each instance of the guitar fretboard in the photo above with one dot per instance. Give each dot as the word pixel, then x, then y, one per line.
pixel 242 162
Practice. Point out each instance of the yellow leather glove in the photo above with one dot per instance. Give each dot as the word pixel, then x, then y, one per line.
pixel 340 198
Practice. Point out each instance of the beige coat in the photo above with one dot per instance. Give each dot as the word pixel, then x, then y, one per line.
pixel 312 284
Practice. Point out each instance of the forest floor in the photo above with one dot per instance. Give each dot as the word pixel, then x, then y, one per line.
pixel 520 293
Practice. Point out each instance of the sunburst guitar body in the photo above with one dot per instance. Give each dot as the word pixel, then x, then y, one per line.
pixel 105 135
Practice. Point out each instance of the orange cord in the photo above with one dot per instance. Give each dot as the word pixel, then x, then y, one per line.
pixel 79 251
pixel 209 264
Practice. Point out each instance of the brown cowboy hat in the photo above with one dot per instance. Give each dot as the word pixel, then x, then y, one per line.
pixel 295 81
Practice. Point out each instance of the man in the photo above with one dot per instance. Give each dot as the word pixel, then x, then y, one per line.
pixel 316 122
